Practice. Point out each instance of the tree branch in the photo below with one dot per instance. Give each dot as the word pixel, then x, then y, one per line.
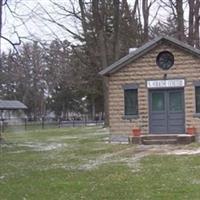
pixel 14 44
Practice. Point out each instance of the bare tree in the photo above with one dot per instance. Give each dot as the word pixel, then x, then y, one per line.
pixel 175 9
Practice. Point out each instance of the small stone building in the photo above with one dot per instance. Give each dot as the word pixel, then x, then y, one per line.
pixel 156 89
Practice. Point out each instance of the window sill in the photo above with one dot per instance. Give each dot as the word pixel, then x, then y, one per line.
pixel 129 117
pixel 197 115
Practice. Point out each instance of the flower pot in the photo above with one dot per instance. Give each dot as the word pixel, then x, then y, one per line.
pixel 136 132
pixel 191 131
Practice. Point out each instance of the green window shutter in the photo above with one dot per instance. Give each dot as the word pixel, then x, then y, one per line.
pixel 197 95
pixel 131 101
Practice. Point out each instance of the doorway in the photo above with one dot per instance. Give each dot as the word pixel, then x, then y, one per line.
pixel 166 111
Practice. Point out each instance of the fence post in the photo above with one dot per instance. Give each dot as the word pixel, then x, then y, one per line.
pixel 3 126
pixel 43 122
pixel 96 120
pixel 1 130
pixel 85 121
pixel 59 122
pixel 25 124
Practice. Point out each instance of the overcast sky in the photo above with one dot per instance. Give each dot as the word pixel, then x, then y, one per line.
pixel 32 26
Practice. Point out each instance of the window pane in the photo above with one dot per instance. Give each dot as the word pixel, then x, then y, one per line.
pixel 175 101
pixel 158 101
pixel 197 92
pixel 131 102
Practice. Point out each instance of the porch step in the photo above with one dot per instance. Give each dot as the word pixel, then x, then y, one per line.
pixel 159 141
pixel 162 139
pixel 159 137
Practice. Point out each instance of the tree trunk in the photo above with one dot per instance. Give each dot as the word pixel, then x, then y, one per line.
pixel 191 22
pixel 67 114
pixel 145 12
pixel 196 24
pixel 135 8
pixel 116 24
pixel 83 18
pixel 180 20
pixel 105 80
pixel 1 14
pixel 106 102
pixel 102 49
pixel 93 109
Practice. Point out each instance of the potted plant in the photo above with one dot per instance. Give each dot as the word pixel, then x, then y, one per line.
pixel 191 130
pixel 136 132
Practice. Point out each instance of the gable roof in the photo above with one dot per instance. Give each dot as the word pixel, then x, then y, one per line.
pixel 11 105
pixel 144 49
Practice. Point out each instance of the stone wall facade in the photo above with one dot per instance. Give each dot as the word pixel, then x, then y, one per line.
pixel 186 66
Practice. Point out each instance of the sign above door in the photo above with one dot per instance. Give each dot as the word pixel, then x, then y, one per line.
pixel 173 83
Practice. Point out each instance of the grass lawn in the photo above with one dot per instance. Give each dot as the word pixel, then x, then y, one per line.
pixel 76 163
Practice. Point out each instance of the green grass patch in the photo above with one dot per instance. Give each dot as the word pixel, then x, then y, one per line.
pixel 76 163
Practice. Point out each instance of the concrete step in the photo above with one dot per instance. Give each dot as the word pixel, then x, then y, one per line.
pixel 158 141
pixel 159 137
pixel 162 139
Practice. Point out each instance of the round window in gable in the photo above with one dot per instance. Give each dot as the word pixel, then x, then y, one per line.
pixel 165 60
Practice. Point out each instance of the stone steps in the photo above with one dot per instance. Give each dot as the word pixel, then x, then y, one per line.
pixel 160 139
pixel 159 136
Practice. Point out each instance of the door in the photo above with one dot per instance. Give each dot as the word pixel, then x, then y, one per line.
pixel 166 111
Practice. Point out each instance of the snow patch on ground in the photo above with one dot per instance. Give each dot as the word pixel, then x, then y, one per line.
pixel 167 150
pixel 116 142
pixel 68 137
pixel 2 177
pixel 42 146
pixel 139 152
pixel 116 157
pixel 195 182
pixel 97 133
pixel 135 155
pixel 19 151
pixel 97 162
pixel 184 152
